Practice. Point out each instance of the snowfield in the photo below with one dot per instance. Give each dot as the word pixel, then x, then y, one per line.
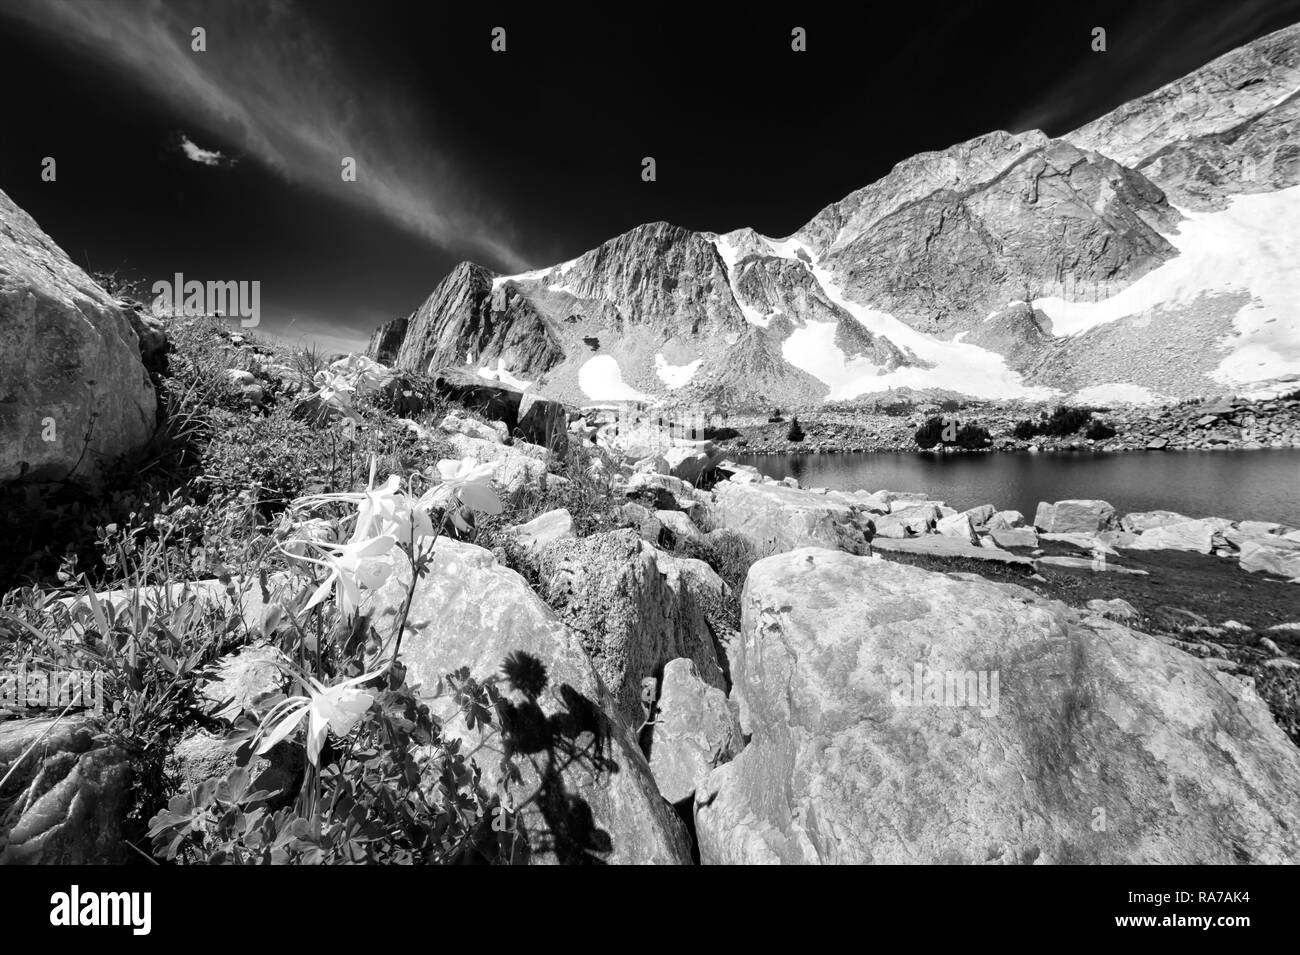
pixel 675 376
pixel 966 368
pixel 601 379
pixel 1253 245
pixel 1117 393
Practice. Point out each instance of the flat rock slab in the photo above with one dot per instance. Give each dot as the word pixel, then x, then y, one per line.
pixel 1083 563
pixel 938 546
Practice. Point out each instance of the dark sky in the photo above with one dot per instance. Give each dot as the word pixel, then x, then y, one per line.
pixel 526 158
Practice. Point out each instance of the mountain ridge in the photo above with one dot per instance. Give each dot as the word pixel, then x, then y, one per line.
pixel 1013 265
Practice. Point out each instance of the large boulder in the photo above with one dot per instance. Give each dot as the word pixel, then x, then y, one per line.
pixel 690 460
pixel 778 518
pixel 897 715
pixel 517 466
pixel 533 537
pixel 74 393
pixel 910 520
pixel 493 401
pixel 68 798
pixel 958 526
pixel 1013 537
pixel 634 608
pixel 587 794
pixel 543 422
pixel 695 730
pixel 1075 517
pixel 1200 537
pixel 1281 558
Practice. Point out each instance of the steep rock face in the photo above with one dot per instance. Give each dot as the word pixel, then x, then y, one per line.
pixel 944 260
pixel 74 394
pixel 1096 744
pixel 1019 332
pixel 467 321
pixel 661 277
pixel 386 341
pixel 1231 126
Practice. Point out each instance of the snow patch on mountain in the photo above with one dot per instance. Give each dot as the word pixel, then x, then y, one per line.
pixel 1117 393
pixel 675 376
pixel 502 374
pixel 730 255
pixel 1253 245
pixel 532 276
pixel 601 379
pixel 966 368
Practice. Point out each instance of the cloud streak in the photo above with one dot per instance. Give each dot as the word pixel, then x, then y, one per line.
pixel 271 85
pixel 205 157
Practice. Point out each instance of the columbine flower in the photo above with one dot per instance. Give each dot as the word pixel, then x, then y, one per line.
pixel 353 566
pixel 333 709
pixel 334 390
pixel 362 374
pixel 467 482
pixel 381 511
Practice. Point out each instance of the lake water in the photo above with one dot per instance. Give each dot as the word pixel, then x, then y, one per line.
pixel 1238 485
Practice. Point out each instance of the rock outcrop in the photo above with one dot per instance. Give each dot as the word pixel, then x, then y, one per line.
pixel 74 394
pixel 901 716
pixel 634 607
pixel 587 794
pixel 69 795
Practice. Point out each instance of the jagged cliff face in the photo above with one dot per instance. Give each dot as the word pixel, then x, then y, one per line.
pixel 1055 214
pixel 466 321
pixel 1153 253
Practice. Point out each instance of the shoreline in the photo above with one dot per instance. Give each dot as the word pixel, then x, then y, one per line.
pixel 1231 424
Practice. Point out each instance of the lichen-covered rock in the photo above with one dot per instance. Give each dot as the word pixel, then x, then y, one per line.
pixel 536 535
pixel 543 422
pixel 587 794
pixel 777 518
pixel 696 730
pixel 634 607
pixel 70 795
pixel 1075 517
pixel 896 715
pixel 74 394
pixel 1282 558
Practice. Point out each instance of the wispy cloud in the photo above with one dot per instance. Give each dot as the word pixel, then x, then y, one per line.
pixel 1152 44
pixel 205 157
pixel 269 84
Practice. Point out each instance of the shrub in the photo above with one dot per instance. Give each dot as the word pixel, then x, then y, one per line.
pixel 930 433
pixel 795 433
pixel 1024 430
pixel 1066 420
pixel 973 437
pixel 1100 431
